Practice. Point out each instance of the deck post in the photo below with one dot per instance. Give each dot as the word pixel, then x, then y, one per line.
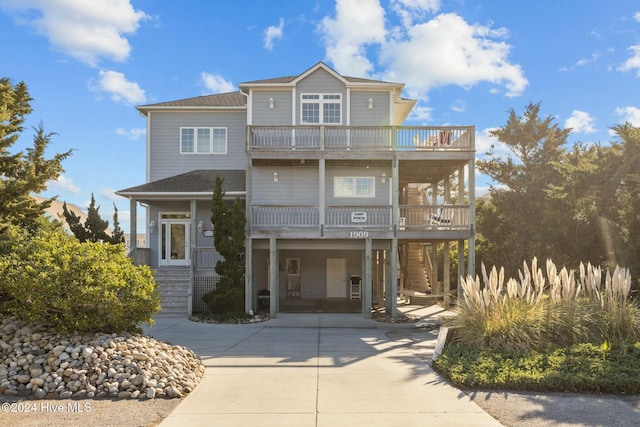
pixel 368 289
pixel 446 275
pixel 273 278
pixel 133 226
pixel 248 275
pixel 192 254
pixel 321 196
pixel 391 303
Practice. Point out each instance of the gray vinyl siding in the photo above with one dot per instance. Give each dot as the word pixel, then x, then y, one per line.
pixel 265 116
pixel 360 113
pixel 321 81
pixel 295 186
pixel 165 158
pixel 313 270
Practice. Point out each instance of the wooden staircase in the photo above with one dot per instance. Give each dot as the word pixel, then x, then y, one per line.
pixel 173 284
pixel 418 270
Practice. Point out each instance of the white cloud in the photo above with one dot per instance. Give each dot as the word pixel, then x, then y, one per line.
pixel 63 184
pixel 459 106
pixel 445 50
pixel 594 57
pixel 273 33
pixel 637 16
pixel 110 194
pixel 85 30
pixel 133 133
pixel 486 143
pixel 412 10
pixel 633 62
pixel 629 114
pixel 449 51
pixel 358 23
pixel 215 83
pixel 421 113
pixel 581 122
pixel 120 89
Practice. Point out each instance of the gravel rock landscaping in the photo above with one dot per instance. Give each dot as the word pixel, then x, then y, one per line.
pixel 38 361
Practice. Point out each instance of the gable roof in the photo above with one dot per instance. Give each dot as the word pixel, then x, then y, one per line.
pixel 238 101
pixel 194 184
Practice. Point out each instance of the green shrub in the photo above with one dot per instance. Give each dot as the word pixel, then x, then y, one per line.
pixel 581 368
pixel 55 279
pixel 226 299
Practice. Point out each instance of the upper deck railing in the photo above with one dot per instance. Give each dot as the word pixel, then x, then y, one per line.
pixel 337 138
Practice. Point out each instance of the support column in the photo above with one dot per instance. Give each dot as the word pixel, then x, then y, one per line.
pixel 461 262
pixel 249 298
pixel 321 195
pixel 192 254
pixel 133 226
pixel 446 279
pixel 472 213
pixel 391 303
pixel 273 278
pixel 367 285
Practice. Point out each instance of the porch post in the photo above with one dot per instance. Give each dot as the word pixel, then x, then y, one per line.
pixel 368 289
pixel 446 275
pixel 192 254
pixel 133 226
pixel 391 304
pixel 248 275
pixel 472 213
pixel 321 195
pixel 461 262
pixel 273 278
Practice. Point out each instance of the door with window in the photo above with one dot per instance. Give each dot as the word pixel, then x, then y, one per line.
pixel 174 242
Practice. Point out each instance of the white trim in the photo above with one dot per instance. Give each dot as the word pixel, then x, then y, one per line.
pixel 211 130
pixel 321 101
pixel 148 142
pixel 354 187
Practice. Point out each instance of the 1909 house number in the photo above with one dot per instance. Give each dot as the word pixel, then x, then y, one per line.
pixel 358 234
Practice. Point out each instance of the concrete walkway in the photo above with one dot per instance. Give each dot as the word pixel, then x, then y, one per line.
pixel 320 370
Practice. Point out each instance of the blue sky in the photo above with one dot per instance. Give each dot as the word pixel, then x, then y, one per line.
pixel 89 63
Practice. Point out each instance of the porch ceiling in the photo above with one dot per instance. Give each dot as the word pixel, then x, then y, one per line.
pixel 421 171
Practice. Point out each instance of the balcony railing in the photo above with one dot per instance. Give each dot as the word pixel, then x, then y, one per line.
pixel 362 217
pixel 340 138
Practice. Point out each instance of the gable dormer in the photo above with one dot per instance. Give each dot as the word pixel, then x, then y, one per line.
pixel 321 96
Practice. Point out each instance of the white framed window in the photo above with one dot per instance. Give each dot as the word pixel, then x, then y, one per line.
pixel 354 186
pixel 319 108
pixel 211 140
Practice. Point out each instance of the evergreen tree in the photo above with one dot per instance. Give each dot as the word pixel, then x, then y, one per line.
pixel 22 173
pixel 228 238
pixel 94 228
pixel 117 235
pixel 520 221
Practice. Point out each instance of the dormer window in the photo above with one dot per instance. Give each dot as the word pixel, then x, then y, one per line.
pixel 318 108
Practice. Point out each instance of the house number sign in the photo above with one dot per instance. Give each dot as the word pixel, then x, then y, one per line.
pixel 358 234
pixel 358 216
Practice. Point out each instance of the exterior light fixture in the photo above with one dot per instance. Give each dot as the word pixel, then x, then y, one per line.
pixel 152 226
pixel 200 226
pixel 370 103
pixel 383 177
pixel 275 177
pixel 272 103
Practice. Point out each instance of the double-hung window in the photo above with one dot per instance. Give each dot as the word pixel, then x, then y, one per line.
pixel 211 140
pixel 318 108
pixel 354 186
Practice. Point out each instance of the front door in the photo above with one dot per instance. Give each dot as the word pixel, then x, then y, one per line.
pixel 336 277
pixel 175 244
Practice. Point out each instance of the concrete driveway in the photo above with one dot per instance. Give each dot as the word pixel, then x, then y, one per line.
pixel 314 370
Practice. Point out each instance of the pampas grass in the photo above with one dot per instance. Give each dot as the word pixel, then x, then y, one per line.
pixel 563 307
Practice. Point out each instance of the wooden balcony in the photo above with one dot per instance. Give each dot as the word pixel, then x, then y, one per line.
pixel 376 221
pixel 361 138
